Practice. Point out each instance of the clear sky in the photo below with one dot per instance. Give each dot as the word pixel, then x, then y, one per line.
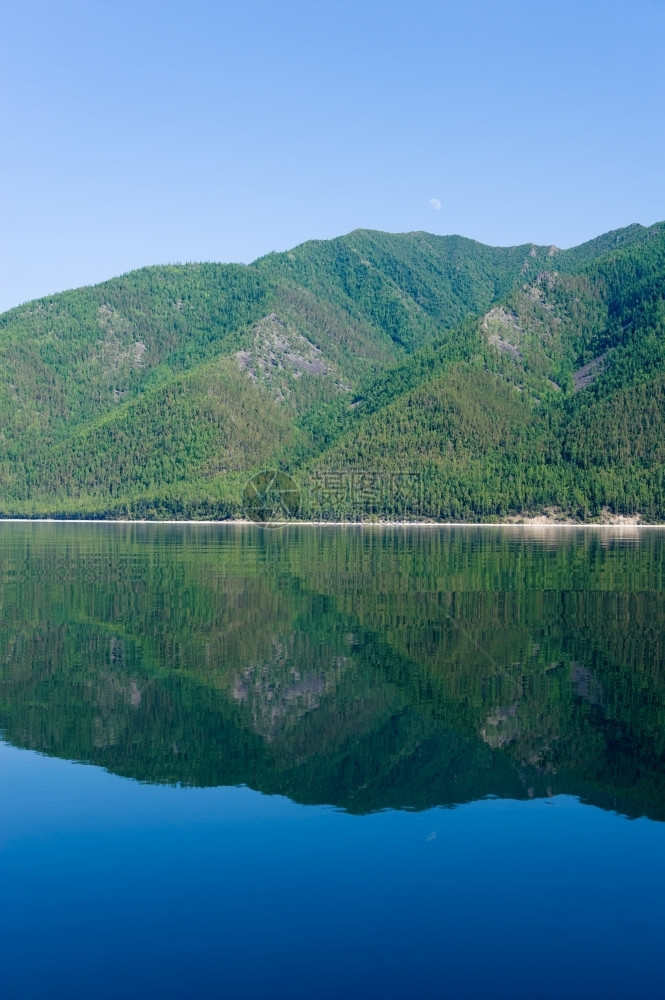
pixel 147 131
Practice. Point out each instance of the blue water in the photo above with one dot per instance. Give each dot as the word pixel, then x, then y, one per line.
pixel 115 888
pixel 244 763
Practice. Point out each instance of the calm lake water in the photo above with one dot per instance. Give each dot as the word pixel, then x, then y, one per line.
pixel 313 762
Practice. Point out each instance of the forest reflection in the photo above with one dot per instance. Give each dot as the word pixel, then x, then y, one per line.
pixel 365 668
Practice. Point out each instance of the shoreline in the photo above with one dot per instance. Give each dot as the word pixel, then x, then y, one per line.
pixel 536 522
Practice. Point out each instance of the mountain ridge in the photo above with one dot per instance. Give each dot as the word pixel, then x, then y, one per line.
pixel 488 372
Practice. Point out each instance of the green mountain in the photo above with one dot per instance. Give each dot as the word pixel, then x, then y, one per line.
pixel 402 375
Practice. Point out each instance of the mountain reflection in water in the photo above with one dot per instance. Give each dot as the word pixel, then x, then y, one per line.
pixel 365 668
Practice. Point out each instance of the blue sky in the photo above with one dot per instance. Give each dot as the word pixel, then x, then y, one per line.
pixel 146 131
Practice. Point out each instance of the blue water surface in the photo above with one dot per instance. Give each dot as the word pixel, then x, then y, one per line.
pixel 111 887
pixel 324 763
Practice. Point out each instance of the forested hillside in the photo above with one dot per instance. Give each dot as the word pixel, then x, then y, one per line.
pixel 408 375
